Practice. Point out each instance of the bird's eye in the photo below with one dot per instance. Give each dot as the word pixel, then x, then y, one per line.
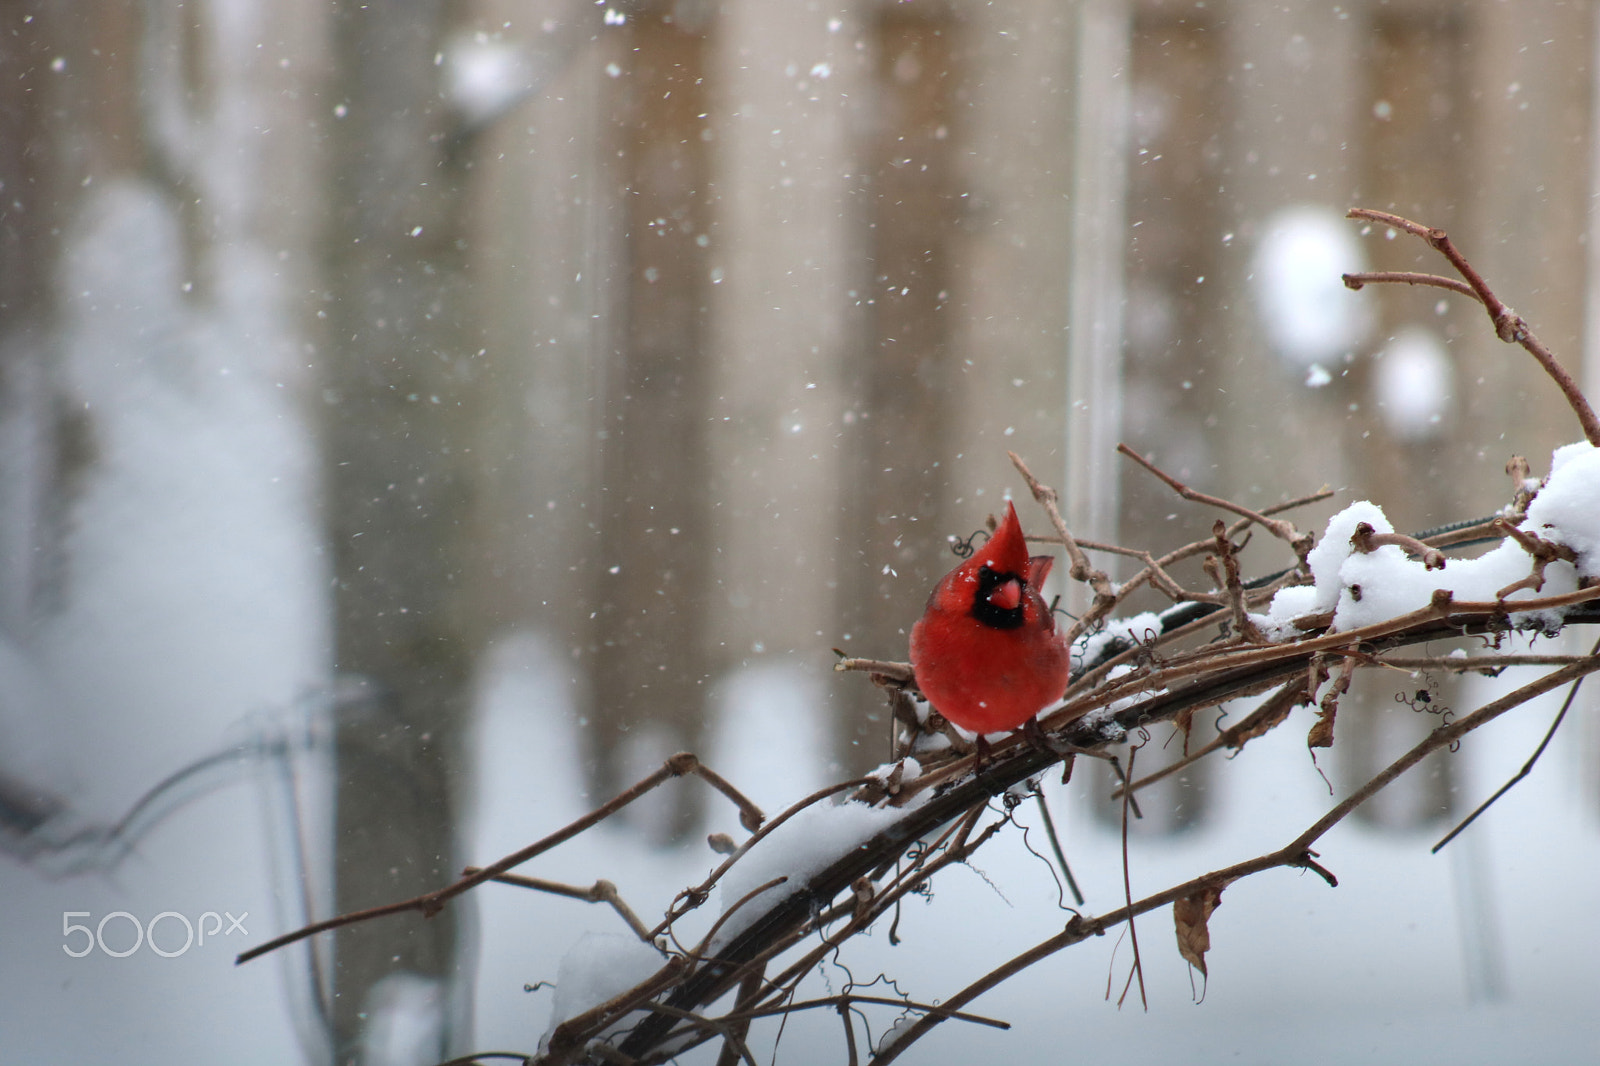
pixel 997 601
pixel 1007 595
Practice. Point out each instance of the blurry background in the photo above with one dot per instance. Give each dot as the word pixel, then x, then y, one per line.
pixel 416 420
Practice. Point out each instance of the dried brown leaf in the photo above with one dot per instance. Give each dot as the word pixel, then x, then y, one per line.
pixel 1184 720
pixel 1328 707
pixel 1265 717
pixel 1321 735
pixel 1191 915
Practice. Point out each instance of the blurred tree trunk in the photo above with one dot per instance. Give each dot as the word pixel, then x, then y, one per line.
pixel 894 527
pixel 397 440
pixel 168 153
pixel 787 236
pixel 651 665
pixel 544 243
pixel 1170 157
pixel 36 451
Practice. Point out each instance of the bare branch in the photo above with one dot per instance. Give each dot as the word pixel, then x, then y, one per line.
pixel 1367 540
pixel 734 1047
pixel 1127 890
pixel 1480 664
pixel 1354 282
pixel 1055 844
pixel 430 903
pixel 750 815
pixel 601 891
pixel 1508 325
pixel 1527 767
pixel 850 998
pixel 893 671
pixel 1233 586
pixel 1079 568
pixel 1285 531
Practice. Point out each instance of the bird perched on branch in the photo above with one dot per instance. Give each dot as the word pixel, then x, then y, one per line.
pixel 986 652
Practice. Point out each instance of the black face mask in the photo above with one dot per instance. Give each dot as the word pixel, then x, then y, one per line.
pixel 990 614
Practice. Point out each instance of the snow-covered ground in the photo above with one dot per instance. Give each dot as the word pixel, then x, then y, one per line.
pixel 192 607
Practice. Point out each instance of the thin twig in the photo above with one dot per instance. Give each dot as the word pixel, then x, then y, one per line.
pixel 1463 664
pixel 1270 714
pixel 1285 531
pixel 602 891
pixel 850 999
pixel 693 897
pixel 1527 767
pixel 1298 501
pixel 1233 585
pixel 1478 532
pixel 1078 568
pixel 1055 845
pixel 852 1056
pixel 1367 540
pixel 430 903
pixel 1508 325
pixel 750 815
pixel 1354 282
pixel 1127 889
pixel 734 1046
pixel 894 671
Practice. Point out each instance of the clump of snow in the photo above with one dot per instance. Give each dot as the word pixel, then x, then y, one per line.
pixel 909 769
pixel 1334 547
pixel 929 743
pixel 892 1035
pixel 1110 730
pixel 1136 628
pixel 797 850
pixel 1377 589
pixel 1367 588
pixel 1103 719
pixel 599 967
pixel 1567 509
pixel 1290 603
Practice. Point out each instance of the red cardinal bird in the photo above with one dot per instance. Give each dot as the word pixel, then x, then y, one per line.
pixel 986 652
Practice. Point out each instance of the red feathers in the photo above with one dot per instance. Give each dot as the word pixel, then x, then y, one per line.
pixel 986 652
